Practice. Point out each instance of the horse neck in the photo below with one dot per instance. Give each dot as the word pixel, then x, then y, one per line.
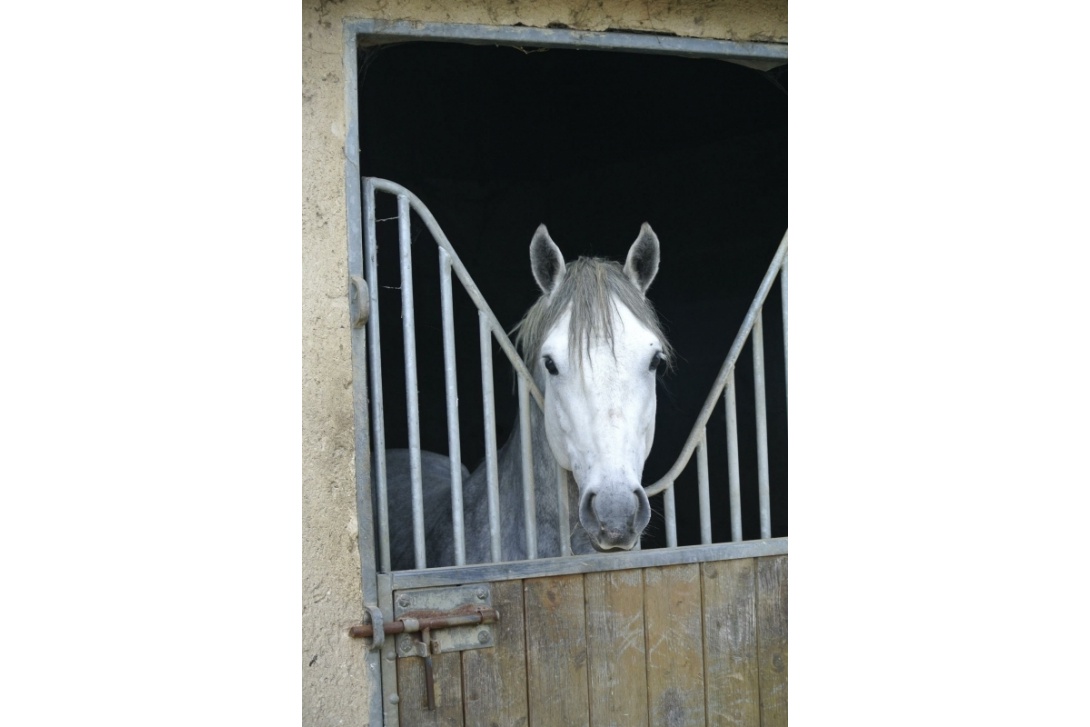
pixel 546 471
pixel 544 464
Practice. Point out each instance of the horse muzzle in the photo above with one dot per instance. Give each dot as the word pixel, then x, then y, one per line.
pixel 614 516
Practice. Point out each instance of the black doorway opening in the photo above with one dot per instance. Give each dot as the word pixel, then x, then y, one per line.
pixel 497 139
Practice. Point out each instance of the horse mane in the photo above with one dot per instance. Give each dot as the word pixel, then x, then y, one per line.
pixel 592 287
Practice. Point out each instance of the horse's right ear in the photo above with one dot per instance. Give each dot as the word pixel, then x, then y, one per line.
pixel 546 261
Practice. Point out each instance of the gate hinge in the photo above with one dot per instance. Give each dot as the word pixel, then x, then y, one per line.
pixel 359 300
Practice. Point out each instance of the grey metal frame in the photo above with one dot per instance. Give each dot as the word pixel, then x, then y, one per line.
pixel 377 588
pixel 382 32
pixel 593 563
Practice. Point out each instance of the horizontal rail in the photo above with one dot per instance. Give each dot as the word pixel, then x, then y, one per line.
pixel 384 31
pixel 591 563
pixel 721 380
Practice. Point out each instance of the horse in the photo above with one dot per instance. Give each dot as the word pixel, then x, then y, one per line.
pixel 594 345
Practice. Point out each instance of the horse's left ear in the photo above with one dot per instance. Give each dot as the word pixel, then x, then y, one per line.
pixel 642 264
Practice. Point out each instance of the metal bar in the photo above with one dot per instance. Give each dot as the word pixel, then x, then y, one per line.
pixel 783 292
pixel 454 439
pixel 762 424
pixel 721 378
pixel 491 458
pixel 588 563
pixel 467 282
pixel 389 654
pixel 563 526
pixel 382 31
pixel 365 518
pixel 734 480
pixel 481 615
pixel 429 669
pixel 529 503
pixel 670 513
pixel 702 491
pixel 374 351
pixel 412 392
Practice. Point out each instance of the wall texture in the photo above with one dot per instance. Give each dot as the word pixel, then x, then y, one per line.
pixel 334 675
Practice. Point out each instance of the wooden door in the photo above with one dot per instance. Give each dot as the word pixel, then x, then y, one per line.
pixel 701 643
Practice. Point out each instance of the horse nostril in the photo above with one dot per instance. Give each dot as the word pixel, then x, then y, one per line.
pixel 643 510
pixel 614 516
pixel 587 513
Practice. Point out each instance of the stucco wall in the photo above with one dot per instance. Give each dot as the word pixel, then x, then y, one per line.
pixel 334 678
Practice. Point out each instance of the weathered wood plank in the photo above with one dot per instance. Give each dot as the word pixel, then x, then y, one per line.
pixel 556 651
pixel 730 643
pixel 772 639
pixel 675 655
pixel 616 649
pixel 412 692
pixel 495 678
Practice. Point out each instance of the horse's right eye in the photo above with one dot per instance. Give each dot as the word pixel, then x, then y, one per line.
pixel 550 366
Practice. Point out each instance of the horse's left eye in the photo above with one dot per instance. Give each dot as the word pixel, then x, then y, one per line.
pixel 550 366
pixel 658 363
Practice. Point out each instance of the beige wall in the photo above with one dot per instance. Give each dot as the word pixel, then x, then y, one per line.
pixel 334 677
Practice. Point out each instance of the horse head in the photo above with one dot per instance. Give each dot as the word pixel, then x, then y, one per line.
pixel 595 346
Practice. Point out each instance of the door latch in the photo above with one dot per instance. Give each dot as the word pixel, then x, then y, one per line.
pixel 434 621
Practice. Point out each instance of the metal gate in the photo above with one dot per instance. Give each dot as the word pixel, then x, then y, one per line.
pixel 677 636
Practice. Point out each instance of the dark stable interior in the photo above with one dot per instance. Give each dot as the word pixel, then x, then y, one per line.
pixel 495 140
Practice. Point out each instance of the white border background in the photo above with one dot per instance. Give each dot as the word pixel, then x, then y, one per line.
pixel 938 364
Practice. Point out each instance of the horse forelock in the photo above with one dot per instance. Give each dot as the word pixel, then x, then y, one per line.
pixel 591 289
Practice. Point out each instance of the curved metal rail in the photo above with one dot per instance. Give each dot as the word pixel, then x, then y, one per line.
pixel 697 440
pixel 490 328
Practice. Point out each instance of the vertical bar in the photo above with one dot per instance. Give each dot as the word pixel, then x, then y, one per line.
pixel 491 457
pixel 734 479
pixel 374 353
pixel 389 656
pixel 762 423
pixel 365 517
pixel 529 504
pixel 563 527
pixel 702 484
pixel 408 327
pixel 783 292
pixel 670 513
pixel 454 439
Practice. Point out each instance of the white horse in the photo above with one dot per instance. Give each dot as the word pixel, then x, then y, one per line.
pixel 594 346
